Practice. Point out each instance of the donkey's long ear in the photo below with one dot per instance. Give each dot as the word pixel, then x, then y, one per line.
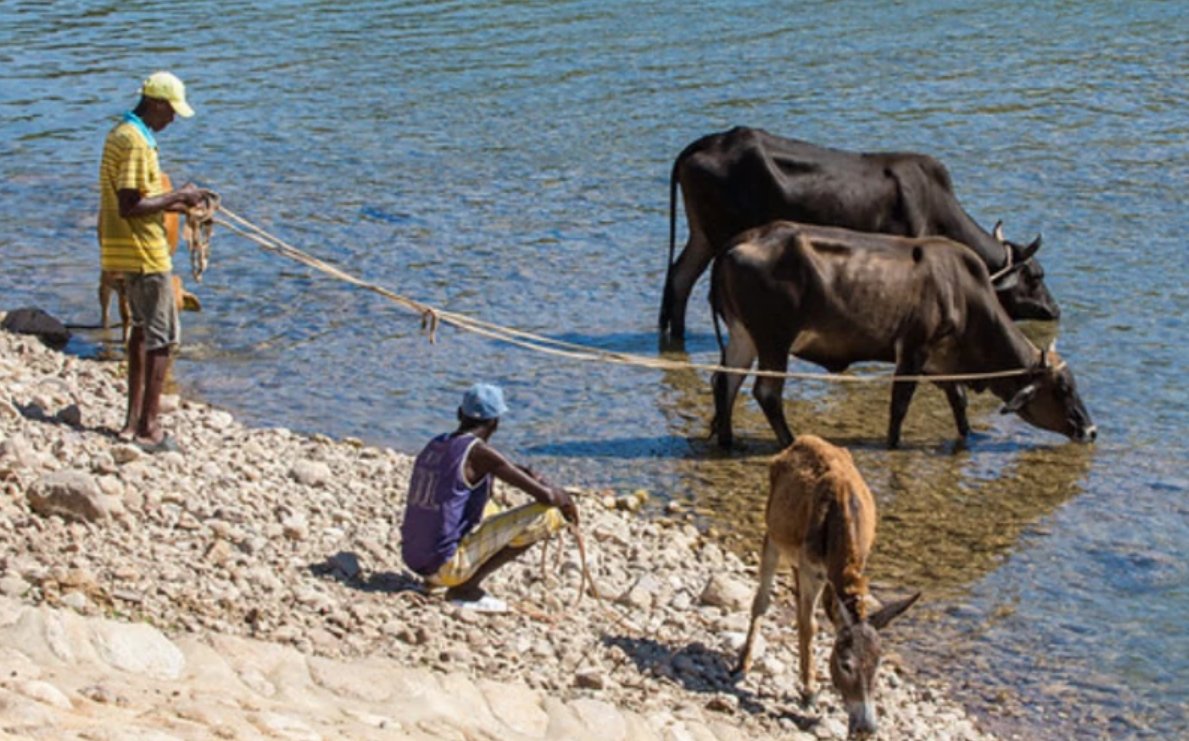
pixel 888 613
pixel 841 613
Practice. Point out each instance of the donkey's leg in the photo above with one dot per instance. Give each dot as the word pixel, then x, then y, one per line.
pixel 769 560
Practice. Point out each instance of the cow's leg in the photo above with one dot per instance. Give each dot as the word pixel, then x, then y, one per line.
pixel 769 392
pixel 739 353
pixel 809 588
pixel 682 276
pixel 769 560
pixel 908 363
pixel 955 394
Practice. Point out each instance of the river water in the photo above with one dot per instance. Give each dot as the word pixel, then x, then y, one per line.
pixel 511 161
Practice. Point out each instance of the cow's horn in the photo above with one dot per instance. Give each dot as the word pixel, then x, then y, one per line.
pixel 997 232
pixel 1030 250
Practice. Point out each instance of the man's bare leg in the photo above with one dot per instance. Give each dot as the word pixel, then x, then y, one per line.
pixel 156 367
pixel 136 384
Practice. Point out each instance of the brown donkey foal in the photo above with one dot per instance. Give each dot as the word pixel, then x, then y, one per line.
pixel 821 518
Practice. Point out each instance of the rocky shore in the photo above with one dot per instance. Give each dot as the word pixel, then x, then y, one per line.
pixel 251 586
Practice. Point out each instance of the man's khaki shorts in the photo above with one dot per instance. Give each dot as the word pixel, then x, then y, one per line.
pixel 150 296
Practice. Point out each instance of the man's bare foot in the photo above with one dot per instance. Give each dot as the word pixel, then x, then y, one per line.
pixel 127 435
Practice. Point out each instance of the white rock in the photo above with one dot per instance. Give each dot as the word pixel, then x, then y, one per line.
pixel 71 494
pixel 76 601
pixel 137 648
pixel 726 592
pixel 217 419
pixel 43 692
pixel 311 473
pixel 12 585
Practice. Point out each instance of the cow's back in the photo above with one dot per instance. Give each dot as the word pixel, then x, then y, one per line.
pixel 743 178
pixel 837 297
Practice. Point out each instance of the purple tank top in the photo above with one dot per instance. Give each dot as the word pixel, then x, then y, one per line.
pixel 442 507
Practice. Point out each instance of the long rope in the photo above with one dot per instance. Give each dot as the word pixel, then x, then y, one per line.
pixel 432 316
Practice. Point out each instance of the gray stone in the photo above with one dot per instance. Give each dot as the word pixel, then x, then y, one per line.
pixel 71 494
pixel 590 679
pixel 127 453
pixel 70 415
pixel 726 592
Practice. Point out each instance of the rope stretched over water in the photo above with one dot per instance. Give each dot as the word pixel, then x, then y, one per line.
pixel 431 317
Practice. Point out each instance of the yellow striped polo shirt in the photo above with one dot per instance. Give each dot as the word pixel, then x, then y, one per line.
pixel 137 244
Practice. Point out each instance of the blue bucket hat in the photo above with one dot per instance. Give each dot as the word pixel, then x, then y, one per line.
pixel 483 401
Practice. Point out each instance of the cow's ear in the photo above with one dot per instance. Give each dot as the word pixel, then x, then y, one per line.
pixel 1008 279
pixel 1021 399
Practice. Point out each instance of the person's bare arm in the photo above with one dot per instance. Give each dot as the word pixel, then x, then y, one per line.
pixel 132 203
pixel 485 459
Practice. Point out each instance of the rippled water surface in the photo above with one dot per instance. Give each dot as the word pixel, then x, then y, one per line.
pixel 511 161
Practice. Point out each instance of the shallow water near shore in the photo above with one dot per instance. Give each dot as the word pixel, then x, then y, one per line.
pixel 512 161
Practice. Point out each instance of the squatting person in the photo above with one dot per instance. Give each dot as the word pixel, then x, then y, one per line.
pixel 452 534
pixel 132 241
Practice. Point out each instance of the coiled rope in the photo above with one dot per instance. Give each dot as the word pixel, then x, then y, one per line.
pixel 200 222
pixel 431 317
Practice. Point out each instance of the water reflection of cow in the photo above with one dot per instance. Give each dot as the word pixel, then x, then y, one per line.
pixel 744 178
pixel 836 297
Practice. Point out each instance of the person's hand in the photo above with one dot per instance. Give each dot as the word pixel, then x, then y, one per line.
pixel 566 504
pixel 191 195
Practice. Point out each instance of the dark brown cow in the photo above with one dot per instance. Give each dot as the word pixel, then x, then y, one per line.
pixel 836 297
pixel 745 178
pixel 821 519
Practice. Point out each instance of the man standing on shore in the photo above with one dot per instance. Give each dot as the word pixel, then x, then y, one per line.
pixel 132 241
pixel 452 534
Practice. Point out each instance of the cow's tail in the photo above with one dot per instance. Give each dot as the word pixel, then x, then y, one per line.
pixel 685 153
pixel 667 297
pixel 717 380
pixel 716 308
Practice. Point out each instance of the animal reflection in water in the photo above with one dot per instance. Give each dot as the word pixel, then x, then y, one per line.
pixel 836 297
pixel 821 518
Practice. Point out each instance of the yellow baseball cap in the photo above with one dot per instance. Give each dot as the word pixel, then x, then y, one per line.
pixel 165 86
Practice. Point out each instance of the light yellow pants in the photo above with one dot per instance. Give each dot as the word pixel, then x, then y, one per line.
pixel 516 527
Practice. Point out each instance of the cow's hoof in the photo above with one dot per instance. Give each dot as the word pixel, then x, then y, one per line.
pixel 670 343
